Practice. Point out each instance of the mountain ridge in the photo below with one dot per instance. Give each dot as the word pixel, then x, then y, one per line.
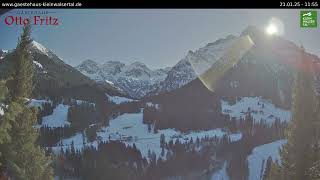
pixel 136 79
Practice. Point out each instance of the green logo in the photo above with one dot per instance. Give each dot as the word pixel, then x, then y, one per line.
pixel 308 19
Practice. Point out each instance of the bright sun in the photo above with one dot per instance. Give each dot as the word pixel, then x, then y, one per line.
pixel 272 29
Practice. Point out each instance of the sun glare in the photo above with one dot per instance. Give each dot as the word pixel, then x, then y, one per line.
pixel 272 29
pixel 275 27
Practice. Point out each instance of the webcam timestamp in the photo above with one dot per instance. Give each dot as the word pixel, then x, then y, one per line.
pixel 303 4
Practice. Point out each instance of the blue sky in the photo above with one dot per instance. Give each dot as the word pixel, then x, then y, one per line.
pixel 156 37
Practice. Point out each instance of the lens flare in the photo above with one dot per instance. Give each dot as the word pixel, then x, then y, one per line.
pixel 230 58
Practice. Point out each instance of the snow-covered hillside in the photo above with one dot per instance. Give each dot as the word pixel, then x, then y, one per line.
pixel 129 129
pixel 259 109
pixel 3 53
pixel 136 79
pixel 59 117
pixel 257 161
pixel 258 158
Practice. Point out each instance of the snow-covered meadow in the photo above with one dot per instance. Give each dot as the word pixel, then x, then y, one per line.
pixel 259 108
pixel 59 117
pixel 129 129
pixel 118 99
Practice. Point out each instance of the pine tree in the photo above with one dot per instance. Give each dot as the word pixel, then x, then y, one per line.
pixel 162 140
pixel 298 155
pixel 162 152
pixel 4 121
pixel 23 158
pixel 3 91
pixel 22 70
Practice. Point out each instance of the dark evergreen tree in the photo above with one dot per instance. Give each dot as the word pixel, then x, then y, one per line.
pixel 298 155
pixel 162 140
pixel 4 121
pixel 22 68
pixel 23 158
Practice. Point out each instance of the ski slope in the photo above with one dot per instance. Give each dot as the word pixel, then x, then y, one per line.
pixel 258 158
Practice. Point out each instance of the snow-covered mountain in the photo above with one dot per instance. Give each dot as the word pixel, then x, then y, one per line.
pixel 53 76
pixel 269 64
pixel 182 73
pixel 265 70
pixel 34 46
pixel 136 79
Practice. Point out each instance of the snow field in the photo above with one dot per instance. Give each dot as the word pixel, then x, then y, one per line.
pixel 129 129
pixel 260 109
